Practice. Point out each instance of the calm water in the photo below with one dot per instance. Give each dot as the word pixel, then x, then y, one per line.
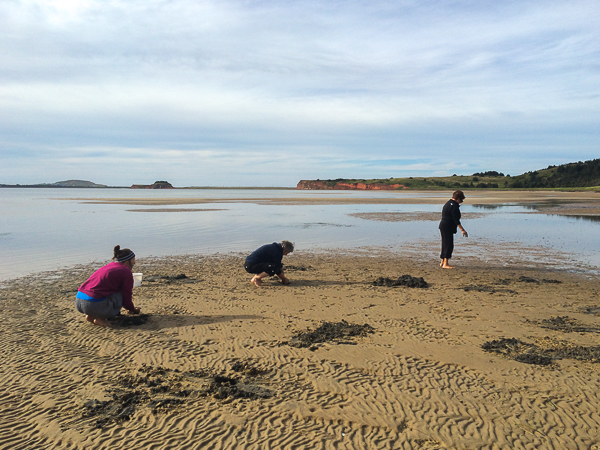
pixel 46 229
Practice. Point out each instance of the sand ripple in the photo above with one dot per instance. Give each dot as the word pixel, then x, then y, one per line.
pixel 420 381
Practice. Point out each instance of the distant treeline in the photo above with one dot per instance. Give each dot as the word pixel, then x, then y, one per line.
pixel 572 175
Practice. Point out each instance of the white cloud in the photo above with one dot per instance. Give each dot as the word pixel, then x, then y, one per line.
pixel 337 80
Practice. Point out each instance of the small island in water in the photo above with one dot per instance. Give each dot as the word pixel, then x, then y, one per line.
pixel 59 184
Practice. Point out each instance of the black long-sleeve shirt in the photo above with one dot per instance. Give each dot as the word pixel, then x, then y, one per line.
pixel 450 216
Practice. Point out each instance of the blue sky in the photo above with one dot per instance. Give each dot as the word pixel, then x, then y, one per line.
pixel 266 93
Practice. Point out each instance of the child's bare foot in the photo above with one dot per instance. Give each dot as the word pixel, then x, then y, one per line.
pixel 256 281
pixel 89 319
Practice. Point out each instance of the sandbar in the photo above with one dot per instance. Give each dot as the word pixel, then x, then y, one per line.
pixel 546 202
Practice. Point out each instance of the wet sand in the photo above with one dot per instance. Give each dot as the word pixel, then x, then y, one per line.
pixel 490 355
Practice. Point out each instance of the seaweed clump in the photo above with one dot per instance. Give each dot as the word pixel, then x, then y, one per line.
pixel 168 279
pixel 517 350
pixel 159 389
pixel 404 280
pixel 567 324
pixel 524 279
pixel 337 332
pixel 223 387
pixel 544 353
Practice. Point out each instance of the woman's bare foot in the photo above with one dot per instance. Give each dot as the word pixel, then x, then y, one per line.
pixel 97 321
pixel 101 322
pixel 447 266
pixel 256 281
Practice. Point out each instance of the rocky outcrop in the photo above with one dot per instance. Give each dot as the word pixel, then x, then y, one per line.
pixel 156 185
pixel 329 185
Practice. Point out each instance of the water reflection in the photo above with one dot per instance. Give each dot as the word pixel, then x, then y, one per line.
pixel 39 232
pixel 550 208
pixel 578 217
pixel 491 207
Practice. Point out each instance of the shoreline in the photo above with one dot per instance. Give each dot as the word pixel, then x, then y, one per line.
pixel 410 383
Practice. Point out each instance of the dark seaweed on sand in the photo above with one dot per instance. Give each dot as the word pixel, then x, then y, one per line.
pixel 159 389
pixel 518 350
pixel 330 332
pixel 404 280
pixel 543 354
pixel 223 387
pixel 488 289
pixel 580 353
pixel 594 310
pixel 567 325
pixel 168 279
pixel 524 279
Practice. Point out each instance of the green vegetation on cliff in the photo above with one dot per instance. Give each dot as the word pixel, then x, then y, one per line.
pixel 579 175
pixel 573 175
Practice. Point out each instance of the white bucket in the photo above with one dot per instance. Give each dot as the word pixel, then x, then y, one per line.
pixel 137 279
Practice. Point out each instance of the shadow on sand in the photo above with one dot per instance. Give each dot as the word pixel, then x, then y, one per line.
pixel 164 321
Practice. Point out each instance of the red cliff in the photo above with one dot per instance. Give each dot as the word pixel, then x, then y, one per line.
pixel 317 184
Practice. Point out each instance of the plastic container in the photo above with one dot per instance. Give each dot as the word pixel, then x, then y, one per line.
pixel 137 279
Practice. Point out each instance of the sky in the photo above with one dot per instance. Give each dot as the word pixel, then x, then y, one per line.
pixel 270 92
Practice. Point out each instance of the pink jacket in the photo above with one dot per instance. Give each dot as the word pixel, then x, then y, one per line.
pixel 110 279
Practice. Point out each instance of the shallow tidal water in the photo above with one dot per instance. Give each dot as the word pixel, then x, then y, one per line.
pixel 48 229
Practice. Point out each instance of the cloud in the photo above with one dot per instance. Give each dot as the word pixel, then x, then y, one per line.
pixel 319 86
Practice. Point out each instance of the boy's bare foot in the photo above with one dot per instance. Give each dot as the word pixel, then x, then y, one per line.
pixel 256 281
pixel 89 319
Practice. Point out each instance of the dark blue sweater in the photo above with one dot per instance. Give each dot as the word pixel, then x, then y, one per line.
pixel 269 253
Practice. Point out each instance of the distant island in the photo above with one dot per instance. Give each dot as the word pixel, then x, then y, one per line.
pixel 60 184
pixel 89 184
pixel 155 185
pixel 578 175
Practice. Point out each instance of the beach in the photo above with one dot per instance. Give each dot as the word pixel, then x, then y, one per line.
pixel 352 354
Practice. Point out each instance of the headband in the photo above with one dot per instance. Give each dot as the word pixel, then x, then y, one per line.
pixel 126 257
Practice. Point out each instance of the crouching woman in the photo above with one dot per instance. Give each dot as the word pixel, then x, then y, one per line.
pixel 108 289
